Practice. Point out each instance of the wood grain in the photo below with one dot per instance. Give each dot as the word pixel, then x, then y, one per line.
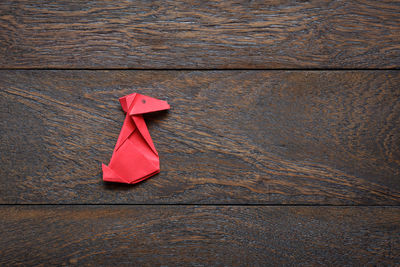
pixel 197 34
pixel 261 137
pixel 199 236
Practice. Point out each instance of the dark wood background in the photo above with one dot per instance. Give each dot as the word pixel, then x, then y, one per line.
pixel 282 145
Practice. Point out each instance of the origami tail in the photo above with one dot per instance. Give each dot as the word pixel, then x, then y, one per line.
pixel 110 176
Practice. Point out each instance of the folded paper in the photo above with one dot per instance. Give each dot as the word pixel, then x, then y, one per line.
pixel 134 158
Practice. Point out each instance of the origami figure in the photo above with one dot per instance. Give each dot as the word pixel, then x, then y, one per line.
pixel 134 158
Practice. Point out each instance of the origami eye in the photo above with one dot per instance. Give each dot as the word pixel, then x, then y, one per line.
pixel 144 101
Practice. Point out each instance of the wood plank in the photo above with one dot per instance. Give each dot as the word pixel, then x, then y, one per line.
pixel 193 34
pixel 190 235
pixel 275 137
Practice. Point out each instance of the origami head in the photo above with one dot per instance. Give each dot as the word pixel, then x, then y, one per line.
pixel 136 104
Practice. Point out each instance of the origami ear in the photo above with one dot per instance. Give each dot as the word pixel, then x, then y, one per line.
pixel 145 104
pixel 126 101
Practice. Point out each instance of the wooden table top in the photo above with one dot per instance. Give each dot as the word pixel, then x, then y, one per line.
pixel 281 146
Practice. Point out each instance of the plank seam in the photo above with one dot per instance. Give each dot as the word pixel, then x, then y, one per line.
pixel 191 204
pixel 206 69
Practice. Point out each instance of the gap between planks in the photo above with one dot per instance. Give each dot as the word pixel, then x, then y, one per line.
pixel 191 204
pixel 205 69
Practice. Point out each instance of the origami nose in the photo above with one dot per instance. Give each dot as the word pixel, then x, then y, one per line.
pixel 145 104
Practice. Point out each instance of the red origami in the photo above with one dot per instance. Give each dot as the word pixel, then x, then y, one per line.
pixel 134 158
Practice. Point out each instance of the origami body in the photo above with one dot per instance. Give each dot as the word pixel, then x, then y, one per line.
pixel 134 158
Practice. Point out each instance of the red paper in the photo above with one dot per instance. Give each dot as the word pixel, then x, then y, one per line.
pixel 134 158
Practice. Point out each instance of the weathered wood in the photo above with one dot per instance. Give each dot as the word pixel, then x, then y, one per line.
pixel 193 34
pixel 190 235
pixel 273 137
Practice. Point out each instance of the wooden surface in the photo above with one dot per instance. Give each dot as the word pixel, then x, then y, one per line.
pixel 197 34
pixel 268 137
pixel 193 235
pixel 281 146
